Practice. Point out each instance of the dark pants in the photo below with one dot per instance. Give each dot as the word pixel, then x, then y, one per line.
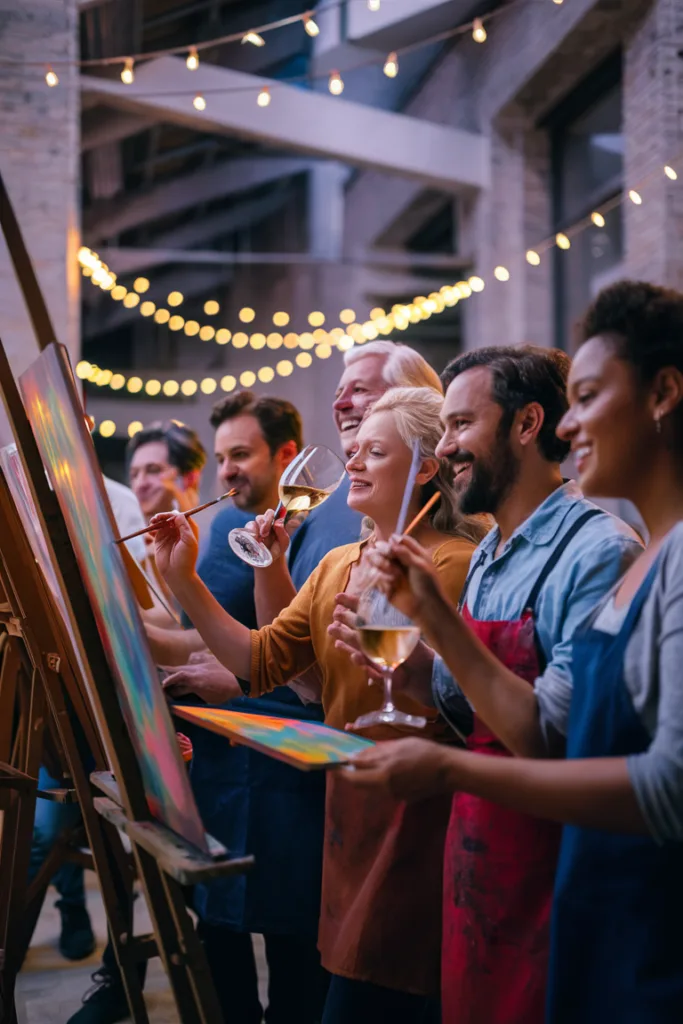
pixel 360 1002
pixel 297 983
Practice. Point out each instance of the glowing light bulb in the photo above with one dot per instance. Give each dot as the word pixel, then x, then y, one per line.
pixel 347 316
pixel 248 378
pixel 635 197
pixel 192 61
pixel 176 323
pixel 134 428
pixel 211 307
pixel 228 383
pixel 670 173
pixel 51 77
pixel 107 428
pixel 246 315
pixel 373 5
pixel 280 319
pixel 562 241
pixel 254 38
pixel 263 98
pixel 291 340
pixel 208 386
pixel 134 385
pixel 147 309
pixel 191 328
pixel 199 103
pixel 207 333
pixel 153 387
pixel 162 316
pixel 189 388
pixel 171 388
pixel 83 369
pixel 175 298
pixel 128 75
pixel 316 319
pixel 131 300
pixel 257 340
pixel 335 84
pixel 119 292
pixel 304 359
pixel 476 284
pixel 311 26
pixel 117 382
pixel 266 374
pixel 240 339
pixel 141 285
pixel 501 274
pixel 478 31
pixel 391 66
pixel 284 368
pixel 223 336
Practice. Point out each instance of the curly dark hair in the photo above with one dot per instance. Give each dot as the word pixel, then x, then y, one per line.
pixel 643 322
pixel 520 375
pixel 185 451
pixel 280 421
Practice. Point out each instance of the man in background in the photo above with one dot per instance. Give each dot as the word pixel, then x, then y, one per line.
pixel 165 461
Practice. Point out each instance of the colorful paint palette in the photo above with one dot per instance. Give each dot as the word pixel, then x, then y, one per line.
pixel 56 417
pixel 305 745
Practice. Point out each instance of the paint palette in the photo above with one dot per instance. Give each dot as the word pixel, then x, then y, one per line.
pixel 303 744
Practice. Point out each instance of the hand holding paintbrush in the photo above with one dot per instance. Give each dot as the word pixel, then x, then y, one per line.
pixel 153 527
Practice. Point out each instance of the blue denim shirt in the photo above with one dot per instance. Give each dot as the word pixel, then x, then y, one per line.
pixel 499 589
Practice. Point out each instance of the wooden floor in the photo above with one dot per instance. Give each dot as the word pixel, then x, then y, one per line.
pixel 50 988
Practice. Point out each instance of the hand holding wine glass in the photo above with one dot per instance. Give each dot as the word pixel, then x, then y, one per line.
pixel 270 531
pixel 307 482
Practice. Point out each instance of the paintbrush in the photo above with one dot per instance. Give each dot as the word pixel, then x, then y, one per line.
pixel 422 513
pixel 190 512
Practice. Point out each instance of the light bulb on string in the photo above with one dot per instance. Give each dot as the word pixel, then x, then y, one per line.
pixel 311 27
pixel 192 62
pixel 478 31
pixel 199 103
pixel 391 65
pixel 501 274
pixel 51 77
pixel 635 197
pixel 532 258
pixel 335 84
pixel 562 241
pixel 373 5
pixel 263 98
pixel 128 74
pixel 598 219
pixel 670 173
pixel 254 38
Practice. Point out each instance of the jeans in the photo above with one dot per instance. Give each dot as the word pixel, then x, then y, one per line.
pixel 51 818
pixel 360 1002
pixel 297 983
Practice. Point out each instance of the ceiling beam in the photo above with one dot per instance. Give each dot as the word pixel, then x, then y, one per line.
pixel 223 179
pixel 111 126
pixel 309 122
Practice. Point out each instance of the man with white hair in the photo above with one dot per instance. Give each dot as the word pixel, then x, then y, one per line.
pixel 369 371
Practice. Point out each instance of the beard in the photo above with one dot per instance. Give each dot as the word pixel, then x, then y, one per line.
pixel 491 478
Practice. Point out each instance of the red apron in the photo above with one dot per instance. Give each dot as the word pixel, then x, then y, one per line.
pixel 499 868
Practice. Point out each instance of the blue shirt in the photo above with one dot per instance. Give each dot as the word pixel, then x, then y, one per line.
pixel 329 526
pixel 499 589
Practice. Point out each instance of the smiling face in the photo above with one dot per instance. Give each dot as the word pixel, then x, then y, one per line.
pixel 153 479
pixel 361 384
pixel 476 444
pixel 609 423
pixel 246 463
pixel 378 468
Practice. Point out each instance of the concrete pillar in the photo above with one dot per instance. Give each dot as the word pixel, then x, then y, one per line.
pixel 653 132
pixel 39 160
pixel 326 209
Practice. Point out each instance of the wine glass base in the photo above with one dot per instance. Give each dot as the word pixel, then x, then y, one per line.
pixel 394 717
pixel 248 549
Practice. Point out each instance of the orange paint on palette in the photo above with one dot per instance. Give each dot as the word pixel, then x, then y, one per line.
pixel 305 745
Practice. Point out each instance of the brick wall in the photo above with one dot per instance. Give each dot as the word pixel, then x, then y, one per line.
pixel 40 164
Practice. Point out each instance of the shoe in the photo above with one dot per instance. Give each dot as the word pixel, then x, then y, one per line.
pixel 104 1003
pixel 76 941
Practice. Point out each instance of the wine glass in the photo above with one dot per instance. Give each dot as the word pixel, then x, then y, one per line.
pixel 306 482
pixel 387 638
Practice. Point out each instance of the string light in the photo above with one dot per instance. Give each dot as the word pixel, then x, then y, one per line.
pixel 208 386
pixel 247 379
pixel 316 319
pixel 391 66
pixel 532 257
pixel 141 285
pixel 281 319
pixel 191 328
pixel 192 61
pixel 246 315
pixel 373 5
pixel 670 173
pixel 134 385
pixel 176 323
pixel 501 274
pixel 175 298
pixel 635 197
pixel 127 74
pixel 311 26
pixel 476 284
pixel 189 388
pixel 51 77
pixel 171 388
pixel 257 341
pixel 199 103
pixel 263 98
pixel 335 84
pixel 162 316
pixel 107 428
pixel 562 241
pixel 147 309
pixel 478 31
pixel 134 428
pixel 254 38
pixel 266 374
pixel 207 333
pixel 153 387
pixel 228 383
pixel 131 300
pixel 284 368
pixel 598 219
pixel 211 307
pixel 223 336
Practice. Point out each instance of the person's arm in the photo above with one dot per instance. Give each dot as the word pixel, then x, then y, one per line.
pixel 591 793
pixel 273 586
pixel 172 646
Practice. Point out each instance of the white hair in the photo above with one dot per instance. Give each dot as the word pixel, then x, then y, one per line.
pixel 403 366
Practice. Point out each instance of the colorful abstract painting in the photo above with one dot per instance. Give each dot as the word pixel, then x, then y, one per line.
pixel 305 745
pixel 56 416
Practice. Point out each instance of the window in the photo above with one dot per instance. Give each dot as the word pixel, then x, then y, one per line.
pixel 587 173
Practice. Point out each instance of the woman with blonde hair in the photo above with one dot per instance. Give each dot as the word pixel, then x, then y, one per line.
pixel 380 927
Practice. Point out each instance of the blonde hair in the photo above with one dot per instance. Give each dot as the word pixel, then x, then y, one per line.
pixel 417 413
pixel 403 366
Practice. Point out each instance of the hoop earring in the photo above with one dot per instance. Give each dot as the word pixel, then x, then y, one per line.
pixel 658 424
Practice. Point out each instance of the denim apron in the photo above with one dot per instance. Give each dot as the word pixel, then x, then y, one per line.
pixel 616 946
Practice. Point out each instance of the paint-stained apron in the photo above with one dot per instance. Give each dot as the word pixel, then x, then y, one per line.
pixel 499 865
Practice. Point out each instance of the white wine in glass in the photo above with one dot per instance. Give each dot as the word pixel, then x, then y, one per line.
pixel 307 482
pixel 387 638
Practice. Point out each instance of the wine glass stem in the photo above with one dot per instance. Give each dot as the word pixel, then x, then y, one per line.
pixel 387 677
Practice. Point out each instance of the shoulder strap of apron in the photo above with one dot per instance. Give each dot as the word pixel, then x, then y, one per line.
pixel 577 525
pixel 466 584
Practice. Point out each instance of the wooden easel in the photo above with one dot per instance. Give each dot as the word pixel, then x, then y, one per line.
pixel 164 861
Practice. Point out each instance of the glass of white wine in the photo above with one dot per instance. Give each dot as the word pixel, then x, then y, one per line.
pixel 387 638
pixel 306 482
